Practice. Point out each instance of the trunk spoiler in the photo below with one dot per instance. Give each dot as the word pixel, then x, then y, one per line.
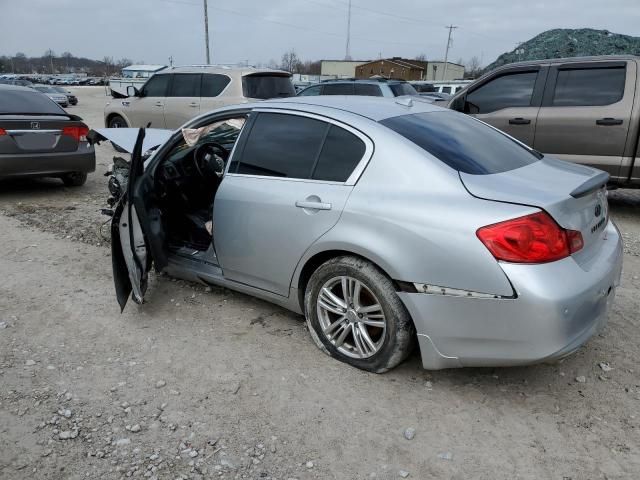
pixel 591 185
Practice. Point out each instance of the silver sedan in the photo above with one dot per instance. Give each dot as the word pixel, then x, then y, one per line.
pixel 386 222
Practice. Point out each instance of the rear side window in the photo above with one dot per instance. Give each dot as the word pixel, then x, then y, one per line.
pixel 185 85
pixel 513 90
pixel 311 91
pixel 213 85
pixel 156 86
pixel 368 90
pixel 17 101
pixel 281 145
pixel 340 154
pixel 400 89
pixel 589 86
pixel 338 89
pixel 463 143
pixel 267 86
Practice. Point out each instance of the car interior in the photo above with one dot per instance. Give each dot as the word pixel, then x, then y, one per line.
pixel 187 181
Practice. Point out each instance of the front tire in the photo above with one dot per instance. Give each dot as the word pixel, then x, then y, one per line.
pixel 355 315
pixel 117 122
pixel 74 179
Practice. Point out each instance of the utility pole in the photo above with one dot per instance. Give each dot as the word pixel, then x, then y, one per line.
pixel 446 53
pixel 206 31
pixel 347 55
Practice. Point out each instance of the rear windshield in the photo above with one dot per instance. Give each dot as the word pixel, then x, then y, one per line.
pixel 267 86
pixel 463 143
pixel 20 101
pixel 400 89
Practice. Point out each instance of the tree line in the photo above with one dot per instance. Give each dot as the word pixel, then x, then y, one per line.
pixel 52 63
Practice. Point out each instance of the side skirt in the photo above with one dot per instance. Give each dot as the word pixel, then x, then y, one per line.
pixel 195 270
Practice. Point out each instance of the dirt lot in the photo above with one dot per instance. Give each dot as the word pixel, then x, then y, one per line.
pixel 198 384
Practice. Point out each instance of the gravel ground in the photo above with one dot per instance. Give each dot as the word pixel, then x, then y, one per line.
pixel 202 383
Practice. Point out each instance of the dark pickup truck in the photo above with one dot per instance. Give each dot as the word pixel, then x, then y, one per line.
pixel 584 110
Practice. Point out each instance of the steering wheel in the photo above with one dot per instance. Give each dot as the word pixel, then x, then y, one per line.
pixel 206 161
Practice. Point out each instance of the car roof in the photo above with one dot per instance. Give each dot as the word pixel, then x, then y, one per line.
pixel 548 61
pixel 374 108
pixel 220 70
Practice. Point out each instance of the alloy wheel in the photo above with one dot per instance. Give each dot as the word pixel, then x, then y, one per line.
pixel 351 317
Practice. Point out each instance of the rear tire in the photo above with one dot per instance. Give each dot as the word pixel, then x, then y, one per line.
pixel 117 122
pixel 74 179
pixel 377 332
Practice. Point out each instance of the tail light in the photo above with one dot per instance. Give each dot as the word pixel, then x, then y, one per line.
pixel 534 238
pixel 79 133
pixel 3 131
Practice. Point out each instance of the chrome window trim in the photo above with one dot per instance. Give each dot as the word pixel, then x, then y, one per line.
pixel 357 171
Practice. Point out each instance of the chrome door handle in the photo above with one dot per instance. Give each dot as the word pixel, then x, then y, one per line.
pixel 159 104
pixel 194 104
pixel 314 205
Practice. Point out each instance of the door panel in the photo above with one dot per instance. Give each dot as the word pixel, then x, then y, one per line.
pixel 519 122
pixel 149 106
pixel 178 110
pixel 183 100
pixel 510 101
pixel 146 110
pixel 590 134
pixel 260 233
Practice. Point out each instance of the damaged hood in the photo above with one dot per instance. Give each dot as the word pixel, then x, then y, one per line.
pixel 125 138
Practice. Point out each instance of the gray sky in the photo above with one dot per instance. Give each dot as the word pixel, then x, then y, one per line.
pixel 261 30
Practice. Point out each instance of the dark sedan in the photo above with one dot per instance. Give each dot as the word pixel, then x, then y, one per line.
pixel 38 138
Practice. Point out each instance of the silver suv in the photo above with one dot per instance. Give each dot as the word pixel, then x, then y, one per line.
pixel 173 96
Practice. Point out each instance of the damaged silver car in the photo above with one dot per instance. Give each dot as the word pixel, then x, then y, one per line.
pixel 386 222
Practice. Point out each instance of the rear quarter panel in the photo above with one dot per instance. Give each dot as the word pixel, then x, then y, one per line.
pixel 410 214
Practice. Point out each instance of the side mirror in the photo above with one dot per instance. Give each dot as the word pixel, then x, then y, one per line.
pixel 132 91
pixel 458 103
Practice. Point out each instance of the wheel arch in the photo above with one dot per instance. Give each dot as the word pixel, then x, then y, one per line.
pixel 311 263
pixel 110 116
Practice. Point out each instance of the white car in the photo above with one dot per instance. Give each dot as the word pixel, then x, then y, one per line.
pixel 174 96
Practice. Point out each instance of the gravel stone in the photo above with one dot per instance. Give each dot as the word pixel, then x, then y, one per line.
pixel 409 433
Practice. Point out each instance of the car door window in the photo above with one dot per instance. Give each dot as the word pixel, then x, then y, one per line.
pixel 511 90
pixel 311 91
pixel 368 90
pixel 213 85
pixel 589 86
pixel 281 145
pixel 338 89
pixel 185 85
pixel 341 153
pixel 156 86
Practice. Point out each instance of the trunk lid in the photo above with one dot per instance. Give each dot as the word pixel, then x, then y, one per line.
pixel 28 134
pixel 574 195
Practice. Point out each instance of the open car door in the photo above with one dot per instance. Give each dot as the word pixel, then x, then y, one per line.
pixel 137 236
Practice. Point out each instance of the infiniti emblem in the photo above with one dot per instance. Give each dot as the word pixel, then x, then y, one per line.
pixel 598 210
pixel 35 125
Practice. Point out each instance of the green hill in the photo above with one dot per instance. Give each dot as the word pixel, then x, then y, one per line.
pixel 564 42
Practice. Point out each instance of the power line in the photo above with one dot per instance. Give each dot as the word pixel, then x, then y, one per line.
pixel 290 25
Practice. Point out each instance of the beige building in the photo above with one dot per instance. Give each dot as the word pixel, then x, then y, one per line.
pixel 406 69
pixel 340 68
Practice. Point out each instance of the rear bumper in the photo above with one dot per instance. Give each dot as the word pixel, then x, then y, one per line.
pixel 48 164
pixel 558 306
